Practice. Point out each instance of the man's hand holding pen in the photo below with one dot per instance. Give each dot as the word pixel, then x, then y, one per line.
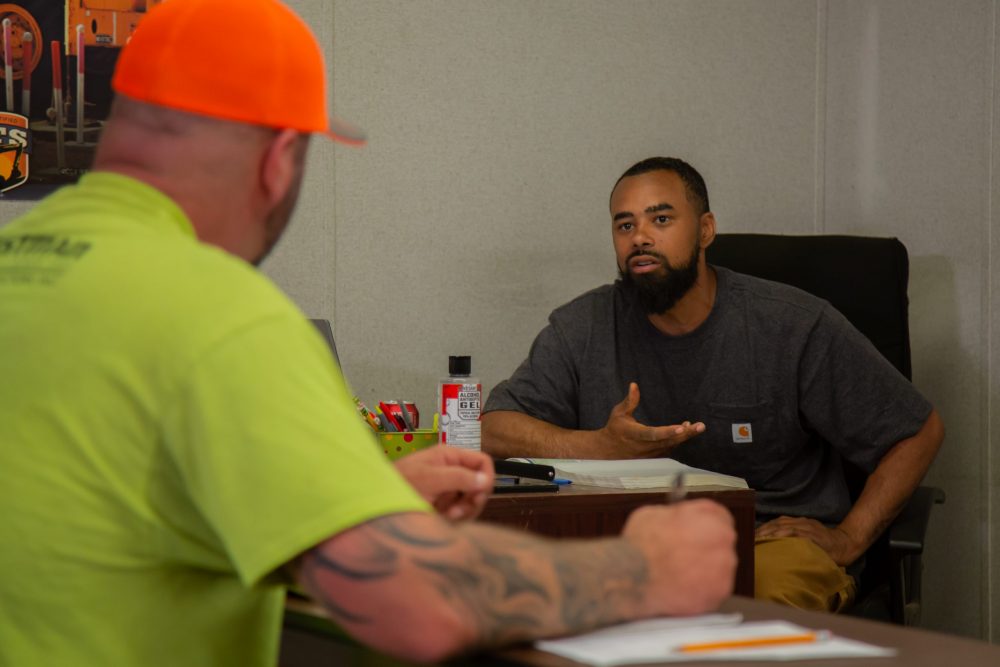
pixel 695 543
pixel 678 491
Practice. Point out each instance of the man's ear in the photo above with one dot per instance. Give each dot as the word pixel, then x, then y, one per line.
pixel 278 165
pixel 706 229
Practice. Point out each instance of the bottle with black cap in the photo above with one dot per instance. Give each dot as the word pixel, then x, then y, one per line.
pixel 460 402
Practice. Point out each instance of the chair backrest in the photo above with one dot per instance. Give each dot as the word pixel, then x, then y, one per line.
pixel 864 278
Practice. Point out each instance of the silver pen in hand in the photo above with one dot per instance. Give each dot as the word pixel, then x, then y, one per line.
pixel 677 490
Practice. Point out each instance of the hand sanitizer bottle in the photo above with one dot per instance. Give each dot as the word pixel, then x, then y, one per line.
pixel 460 402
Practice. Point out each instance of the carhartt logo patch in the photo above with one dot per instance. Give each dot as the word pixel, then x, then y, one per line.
pixel 742 433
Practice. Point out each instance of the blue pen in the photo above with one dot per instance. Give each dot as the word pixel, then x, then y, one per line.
pixel 559 480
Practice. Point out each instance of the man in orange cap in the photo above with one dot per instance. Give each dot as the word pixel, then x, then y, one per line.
pixel 178 444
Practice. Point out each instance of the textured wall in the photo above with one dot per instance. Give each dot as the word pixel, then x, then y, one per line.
pixel 908 153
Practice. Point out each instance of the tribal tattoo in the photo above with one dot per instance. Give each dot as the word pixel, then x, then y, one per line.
pixel 510 586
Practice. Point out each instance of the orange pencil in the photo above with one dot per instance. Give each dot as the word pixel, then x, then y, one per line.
pixel 803 638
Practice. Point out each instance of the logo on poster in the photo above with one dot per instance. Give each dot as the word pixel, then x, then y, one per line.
pixel 15 148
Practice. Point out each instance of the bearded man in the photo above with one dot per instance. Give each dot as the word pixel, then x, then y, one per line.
pixel 739 375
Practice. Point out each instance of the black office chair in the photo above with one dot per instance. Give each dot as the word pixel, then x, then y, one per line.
pixel 866 280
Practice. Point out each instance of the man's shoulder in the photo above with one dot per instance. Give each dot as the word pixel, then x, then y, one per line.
pixel 193 277
pixel 220 294
pixel 597 302
pixel 212 267
pixel 771 298
pixel 172 289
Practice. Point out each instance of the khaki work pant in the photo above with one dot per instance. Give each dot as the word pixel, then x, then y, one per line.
pixel 795 571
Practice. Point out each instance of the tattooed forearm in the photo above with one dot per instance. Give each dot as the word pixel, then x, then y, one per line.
pixel 514 579
pixel 584 579
pixel 381 563
pixel 500 586
pixel 494 618
pixel 337 611
pixel 374 562
pixel 395 529
pixel 515 587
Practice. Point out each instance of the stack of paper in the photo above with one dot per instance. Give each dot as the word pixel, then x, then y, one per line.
pixel 712 637
pixel 635 473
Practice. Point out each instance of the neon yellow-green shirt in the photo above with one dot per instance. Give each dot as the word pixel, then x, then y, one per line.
pixel 172 430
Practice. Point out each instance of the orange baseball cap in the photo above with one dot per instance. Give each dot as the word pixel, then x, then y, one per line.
pixel 253 61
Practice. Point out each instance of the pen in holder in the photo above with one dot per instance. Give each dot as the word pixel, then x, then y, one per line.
pixel 399 444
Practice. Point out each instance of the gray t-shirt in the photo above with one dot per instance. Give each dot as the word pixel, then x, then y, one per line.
pixel 778 376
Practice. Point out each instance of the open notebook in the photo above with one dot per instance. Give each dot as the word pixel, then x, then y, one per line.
pixel 635 473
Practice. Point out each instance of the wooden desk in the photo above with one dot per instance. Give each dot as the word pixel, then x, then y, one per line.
pixel 305 643
pixel 588 511
pixel 917 648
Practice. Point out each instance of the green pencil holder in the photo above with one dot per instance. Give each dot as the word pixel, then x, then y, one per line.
pixel 398 445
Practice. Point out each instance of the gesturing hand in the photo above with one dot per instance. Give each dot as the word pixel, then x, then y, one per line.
pixel 456 481
pixel 631 440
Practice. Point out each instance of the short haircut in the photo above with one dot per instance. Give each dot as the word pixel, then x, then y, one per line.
pixel 697 192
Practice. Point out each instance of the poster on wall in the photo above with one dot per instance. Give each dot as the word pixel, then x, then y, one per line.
pixel 58 57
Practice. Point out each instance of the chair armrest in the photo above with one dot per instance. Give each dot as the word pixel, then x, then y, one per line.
pixel 906 534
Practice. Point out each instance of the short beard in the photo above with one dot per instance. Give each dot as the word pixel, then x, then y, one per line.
pixel 277 218
pixel 660 290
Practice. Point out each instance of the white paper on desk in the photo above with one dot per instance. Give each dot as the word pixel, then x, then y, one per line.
pixel 635 473
pixel 624 645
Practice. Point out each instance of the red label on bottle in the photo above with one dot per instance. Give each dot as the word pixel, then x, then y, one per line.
pixel 460 410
